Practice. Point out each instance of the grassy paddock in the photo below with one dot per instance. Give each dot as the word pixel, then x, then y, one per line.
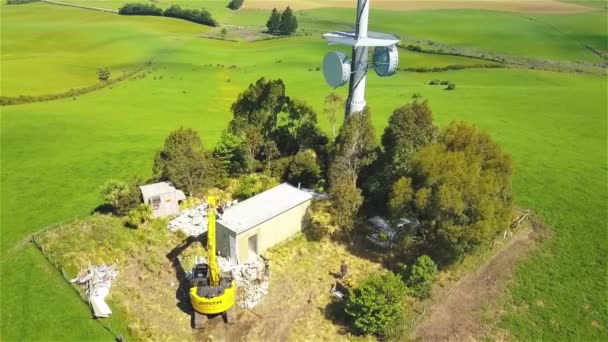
pixel 56 154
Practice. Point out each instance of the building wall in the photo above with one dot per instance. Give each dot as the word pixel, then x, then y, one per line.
pixel 273 231
pixel 168 205
pixel 222 238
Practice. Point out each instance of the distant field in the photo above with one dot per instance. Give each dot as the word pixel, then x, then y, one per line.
pixel 56 154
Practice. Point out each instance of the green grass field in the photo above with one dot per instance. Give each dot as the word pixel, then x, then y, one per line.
pixel 56 154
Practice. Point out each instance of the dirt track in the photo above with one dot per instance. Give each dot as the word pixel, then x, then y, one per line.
pixel 458 311
pixel 535 6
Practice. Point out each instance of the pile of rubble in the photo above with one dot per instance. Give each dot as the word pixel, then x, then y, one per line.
pixel 252 279
pixel 97 282
pixel 193 221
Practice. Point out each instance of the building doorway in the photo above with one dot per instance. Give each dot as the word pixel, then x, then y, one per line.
pixel 253 247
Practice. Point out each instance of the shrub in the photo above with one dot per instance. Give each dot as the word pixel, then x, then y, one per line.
pixel 120 195
pixel 197 16
pixel 376 304
pixel 235 4
pixel 451 86
pixel 419 277
pixel 103 74
pixel 253 184
pixel 139 216
pixel 135 8
pixel 444 82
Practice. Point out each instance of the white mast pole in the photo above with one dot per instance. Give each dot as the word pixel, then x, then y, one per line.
pixel 356 91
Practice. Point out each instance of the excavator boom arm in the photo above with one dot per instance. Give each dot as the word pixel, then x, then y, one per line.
pixel 214 269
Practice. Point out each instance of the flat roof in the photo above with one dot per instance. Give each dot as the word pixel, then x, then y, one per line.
pixel 262 207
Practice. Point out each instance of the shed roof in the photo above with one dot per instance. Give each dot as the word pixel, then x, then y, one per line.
pixel 262 207
pixel 156 189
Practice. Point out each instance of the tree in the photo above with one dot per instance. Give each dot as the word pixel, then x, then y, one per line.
pixel 346 201
pixel 354 147
pixel 230 154
pixel 274 22
pixel 184 162
pixel 304 169
pixel 410 127
pixel 289 23
pixel 272 125
pixel 462 191
pixel 376 304
pixel 400 198
pixel 120 195
pixel 333 104
pixel 235 4
pixel 103 74
pixel 419 277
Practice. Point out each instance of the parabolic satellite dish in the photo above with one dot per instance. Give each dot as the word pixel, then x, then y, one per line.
pixel 385 60
pixel 336 68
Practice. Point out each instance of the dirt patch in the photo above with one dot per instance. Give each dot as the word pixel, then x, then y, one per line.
pixel 548 6
pixel 458 311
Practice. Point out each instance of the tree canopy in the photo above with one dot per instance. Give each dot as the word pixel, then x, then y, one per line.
pixel 376 303
pixel 461 189
pixel 185 163
pixel 284 23
pixel 267 125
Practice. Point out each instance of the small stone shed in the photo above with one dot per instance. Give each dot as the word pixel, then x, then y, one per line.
pixel 249 228
pixel 163 197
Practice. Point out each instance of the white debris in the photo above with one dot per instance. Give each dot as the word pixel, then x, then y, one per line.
pixel 252 279
pixel 193 221
pixel 98 281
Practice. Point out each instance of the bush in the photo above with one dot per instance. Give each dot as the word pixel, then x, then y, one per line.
pixel 103 74
pixel 139 216
pixel 419 277
pixel 235 4
pixel 376 304
pixel 444 82
pixel 253 184
pixel 120 195
pixel 197 16
pixel 135 8
pixel 451 86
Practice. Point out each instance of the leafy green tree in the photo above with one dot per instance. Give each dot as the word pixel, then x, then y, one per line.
pixel 289 22
pixel 253 184
pixel 346 201
pixel 419 276
pixel 462 191
pixel 235 4
pixel 304 169
pixel 410 127
pixel 185 163
pixel 271 125
pixel 333 104
pixel 230 153
pixel 400 198
pixel 354 148
pixel 274 22
pixel 377 303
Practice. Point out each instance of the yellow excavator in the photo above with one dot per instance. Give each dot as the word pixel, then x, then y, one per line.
pixel 212 293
